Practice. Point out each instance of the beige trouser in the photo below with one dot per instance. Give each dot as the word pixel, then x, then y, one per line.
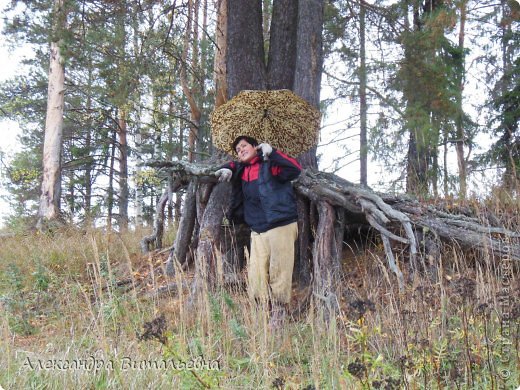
pixel 271 263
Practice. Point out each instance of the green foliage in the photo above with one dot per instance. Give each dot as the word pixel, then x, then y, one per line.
pixel 13 297
pixel 422 87
pixel 505 152
pixel 119 61
pixel 41 278
pixel 148 178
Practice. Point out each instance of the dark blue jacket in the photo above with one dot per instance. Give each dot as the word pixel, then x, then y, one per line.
pixel 263 196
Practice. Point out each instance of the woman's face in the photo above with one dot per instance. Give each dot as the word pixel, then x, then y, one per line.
pixel 245 151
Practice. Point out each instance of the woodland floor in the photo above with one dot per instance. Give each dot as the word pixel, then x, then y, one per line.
pixel 88 298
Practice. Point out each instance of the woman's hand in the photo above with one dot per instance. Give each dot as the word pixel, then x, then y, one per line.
pixel 266 149
pixel 224 174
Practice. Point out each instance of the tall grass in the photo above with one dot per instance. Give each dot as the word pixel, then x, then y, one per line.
pixel 67 323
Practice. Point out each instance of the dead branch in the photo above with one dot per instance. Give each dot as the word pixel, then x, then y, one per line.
pixel 396 218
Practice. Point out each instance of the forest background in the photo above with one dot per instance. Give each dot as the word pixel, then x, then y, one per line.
pixel 139 86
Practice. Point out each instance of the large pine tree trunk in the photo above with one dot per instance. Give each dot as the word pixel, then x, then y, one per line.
pixel 245 70
pixel 309 61
pixel 307 83
pixel 49 208
pixel 294 62
pixel 245 54
pixel 281 61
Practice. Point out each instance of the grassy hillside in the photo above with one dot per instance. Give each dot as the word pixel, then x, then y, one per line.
pixel 79 311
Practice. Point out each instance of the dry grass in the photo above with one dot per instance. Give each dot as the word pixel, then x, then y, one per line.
pixel 67 324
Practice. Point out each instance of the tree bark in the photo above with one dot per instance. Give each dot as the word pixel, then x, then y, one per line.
pixel 221 94
pixel 209 247
pixel 303 261
pixel 49 208
pixel 174 185
pixel 363 109
pixel 307 84
pixel 460 69
pixel 245 60
pixel 89 164
pixel 281 61
pixel 325 260
pixel 309 61
pixel 191 89
pixel 398 218
pixel 182 242
pixel 417 110
pixel 123 170
pixel 157 234
pixel 110 189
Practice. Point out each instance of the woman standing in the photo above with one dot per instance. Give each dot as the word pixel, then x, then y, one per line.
pixel 263 198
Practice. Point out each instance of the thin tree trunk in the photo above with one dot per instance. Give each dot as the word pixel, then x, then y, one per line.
pixel 123 170
pixel 209 248
pixel 363 143
pixel 185 230
pixel 110 190
pixel 220 54
pixel 70 200
pixel 191 89
pixel 89 165
pixel 169 157
pixel 139 201
pixel 157 234
pixel 325 257
pixel 302 265
pixel 200 70
pixel 459 143
pixel 445 162
pixel 433 172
